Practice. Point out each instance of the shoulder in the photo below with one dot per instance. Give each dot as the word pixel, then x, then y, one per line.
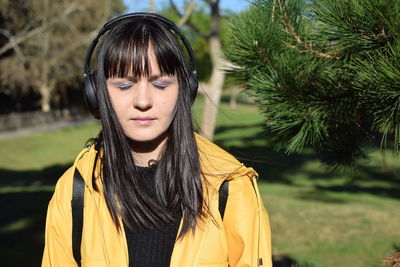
pixel 82 163
pixel 63 189
pixel 59 208
pixel 219 164
pixel 214 157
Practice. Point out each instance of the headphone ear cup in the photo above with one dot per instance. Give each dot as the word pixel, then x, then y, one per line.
pixel 90 94
pixel 193 85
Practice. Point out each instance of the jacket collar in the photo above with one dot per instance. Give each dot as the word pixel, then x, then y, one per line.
pixel 217 165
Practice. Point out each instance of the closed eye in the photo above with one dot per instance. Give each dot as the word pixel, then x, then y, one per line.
pixel 159 85
pixel 124 86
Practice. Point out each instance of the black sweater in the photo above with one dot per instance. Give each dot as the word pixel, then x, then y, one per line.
pixel 151 247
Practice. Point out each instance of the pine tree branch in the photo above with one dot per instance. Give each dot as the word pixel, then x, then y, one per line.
pixel 273 11
pixel 306 48
pixel 357 29
pixel 261 52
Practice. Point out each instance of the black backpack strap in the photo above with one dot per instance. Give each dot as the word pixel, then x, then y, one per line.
pixel 78 195
pixel 223 197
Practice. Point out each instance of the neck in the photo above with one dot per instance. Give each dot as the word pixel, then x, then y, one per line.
pixel 146 152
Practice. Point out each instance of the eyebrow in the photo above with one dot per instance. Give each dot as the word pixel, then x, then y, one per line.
pixel 151 77
pixel 154 77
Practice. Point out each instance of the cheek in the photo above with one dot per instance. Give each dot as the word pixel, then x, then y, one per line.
pixel 120 105
pixel 167 108
pixel 168 103
pixel 118 100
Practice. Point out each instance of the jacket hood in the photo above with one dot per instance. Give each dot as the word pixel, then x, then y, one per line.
pixel 217 165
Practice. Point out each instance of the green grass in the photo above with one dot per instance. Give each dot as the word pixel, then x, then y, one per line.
pixel 317 218
pixel 41 150
pixel 29 169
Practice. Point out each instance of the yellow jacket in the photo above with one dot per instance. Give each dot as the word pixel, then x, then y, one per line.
pixel 241 240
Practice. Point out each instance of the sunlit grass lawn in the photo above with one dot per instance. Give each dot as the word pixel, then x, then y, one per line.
pixel 320 218
pixel 317 218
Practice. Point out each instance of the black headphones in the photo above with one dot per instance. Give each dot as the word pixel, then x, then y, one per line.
pixel 89 83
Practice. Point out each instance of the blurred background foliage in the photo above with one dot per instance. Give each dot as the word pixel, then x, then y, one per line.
pixel 42 44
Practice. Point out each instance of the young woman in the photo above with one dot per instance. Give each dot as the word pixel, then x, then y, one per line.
pixel 151 185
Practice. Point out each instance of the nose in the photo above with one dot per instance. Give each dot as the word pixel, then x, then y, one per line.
pixel 142 99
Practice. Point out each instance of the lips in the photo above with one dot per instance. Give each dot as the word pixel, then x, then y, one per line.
pixel 143 120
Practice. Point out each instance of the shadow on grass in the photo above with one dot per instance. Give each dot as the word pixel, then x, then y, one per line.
pixel 320 196
pixel 366 180
pixel 271 165
pixel 287 261
pixel 45 176
pixel 24 196
pixel 277 167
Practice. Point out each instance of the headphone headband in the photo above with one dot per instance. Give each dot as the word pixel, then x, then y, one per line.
pixel 106 27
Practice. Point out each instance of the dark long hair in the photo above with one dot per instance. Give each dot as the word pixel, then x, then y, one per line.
pixel 124 52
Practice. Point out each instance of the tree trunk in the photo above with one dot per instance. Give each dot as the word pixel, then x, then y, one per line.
pixel 152 6
pixel 45 93
pixel 234 93
pixel 214 88
pixel 44 88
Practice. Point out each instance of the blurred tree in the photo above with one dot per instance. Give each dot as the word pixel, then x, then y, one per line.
pixel 201 18
pixel 208 25
pixel 325 73
pixel 152 6
pixel 42 43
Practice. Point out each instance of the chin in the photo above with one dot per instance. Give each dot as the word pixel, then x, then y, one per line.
pixel 150 137
pixel 144 139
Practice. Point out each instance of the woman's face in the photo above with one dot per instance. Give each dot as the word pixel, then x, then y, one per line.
pixel 145 107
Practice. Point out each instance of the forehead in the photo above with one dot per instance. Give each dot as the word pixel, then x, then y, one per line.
pixel 140 57
pixel 152 60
